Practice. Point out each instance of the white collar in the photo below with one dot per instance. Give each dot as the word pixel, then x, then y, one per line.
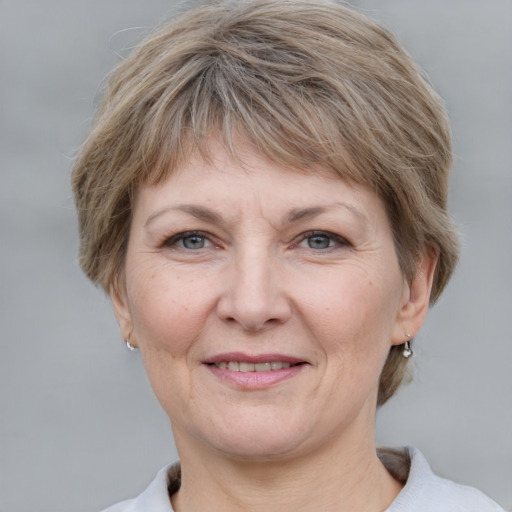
pixel 423 491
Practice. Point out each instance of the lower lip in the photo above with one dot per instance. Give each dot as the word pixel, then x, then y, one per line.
pixel 256 380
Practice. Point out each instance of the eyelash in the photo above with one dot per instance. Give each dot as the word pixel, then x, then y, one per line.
pixel 337 240
pixel 331 237
pixel 174 240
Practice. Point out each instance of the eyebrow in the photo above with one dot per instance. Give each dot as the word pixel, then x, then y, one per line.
pixel 199 212
pixel 300 214
pixel 293 216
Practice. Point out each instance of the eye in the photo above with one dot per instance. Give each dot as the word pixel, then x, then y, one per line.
pixel 190 240
pixel 321 240
pixel 193 242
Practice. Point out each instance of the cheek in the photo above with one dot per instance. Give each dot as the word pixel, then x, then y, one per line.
pixel 167 311
pixel 352 310
pixel 353 321
pixel 168 317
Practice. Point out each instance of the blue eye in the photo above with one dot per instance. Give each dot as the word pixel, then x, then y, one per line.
pixel 190 240
pixel 193 242
pixel 321 240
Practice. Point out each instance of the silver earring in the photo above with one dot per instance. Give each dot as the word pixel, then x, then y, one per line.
pixel 129 346
pixel 407 351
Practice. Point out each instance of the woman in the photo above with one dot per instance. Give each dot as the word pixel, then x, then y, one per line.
pixel 263 196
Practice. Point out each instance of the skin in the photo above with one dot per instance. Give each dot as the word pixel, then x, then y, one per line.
pixel 273 261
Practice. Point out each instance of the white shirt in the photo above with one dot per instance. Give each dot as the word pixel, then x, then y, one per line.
pixel 423 492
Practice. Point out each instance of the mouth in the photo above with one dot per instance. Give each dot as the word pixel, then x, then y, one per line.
pixel 254 371
pixel 242 366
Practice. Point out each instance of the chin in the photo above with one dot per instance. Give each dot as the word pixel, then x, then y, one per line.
pixel 262 448
pixel 254 437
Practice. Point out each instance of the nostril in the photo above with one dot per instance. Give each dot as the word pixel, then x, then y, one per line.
pixel 253 304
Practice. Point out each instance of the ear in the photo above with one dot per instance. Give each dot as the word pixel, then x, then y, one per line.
pixel 415 299
pixel 122 311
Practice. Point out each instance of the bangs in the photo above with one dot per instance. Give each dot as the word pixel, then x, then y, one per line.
pixel 231 101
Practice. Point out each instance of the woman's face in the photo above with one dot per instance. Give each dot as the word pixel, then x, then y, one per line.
pixel 264 302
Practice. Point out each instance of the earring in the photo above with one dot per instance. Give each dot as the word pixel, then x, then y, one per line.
pixel 407 351
pixel 129 346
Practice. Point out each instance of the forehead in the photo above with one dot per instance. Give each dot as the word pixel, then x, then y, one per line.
pixel 214 162
pixel 230 186
pixel 211 158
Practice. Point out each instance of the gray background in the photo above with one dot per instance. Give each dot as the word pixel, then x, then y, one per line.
pixel 79 427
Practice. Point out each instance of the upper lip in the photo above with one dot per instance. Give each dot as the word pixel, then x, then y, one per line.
pixel 252 358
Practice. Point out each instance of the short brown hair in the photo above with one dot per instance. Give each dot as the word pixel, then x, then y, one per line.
pixel 308 83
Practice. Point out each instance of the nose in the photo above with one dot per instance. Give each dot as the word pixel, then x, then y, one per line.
pixel 254 297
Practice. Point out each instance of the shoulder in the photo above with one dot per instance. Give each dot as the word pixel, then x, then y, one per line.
pixel 156 496
pixel 425 492
pixel 123 506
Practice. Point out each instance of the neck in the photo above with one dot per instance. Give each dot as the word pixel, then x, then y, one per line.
pixel 338 478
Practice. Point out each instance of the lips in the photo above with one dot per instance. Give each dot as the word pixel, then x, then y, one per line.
pixel 242 366
pixel 244 361
pixel 254 371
